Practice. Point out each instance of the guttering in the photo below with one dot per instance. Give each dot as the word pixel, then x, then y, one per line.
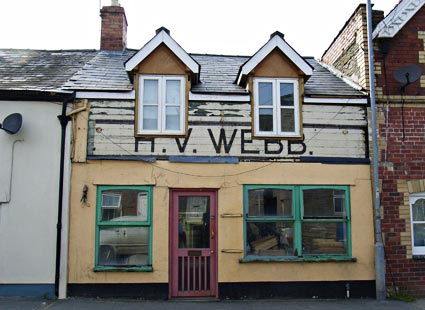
pixel 35 95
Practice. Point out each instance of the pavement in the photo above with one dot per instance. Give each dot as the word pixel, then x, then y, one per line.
pixel 22 303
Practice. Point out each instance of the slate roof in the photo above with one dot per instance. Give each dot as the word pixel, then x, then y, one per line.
pixel 218 74
pixel 92 70
pixel 104 72
pixel 37 70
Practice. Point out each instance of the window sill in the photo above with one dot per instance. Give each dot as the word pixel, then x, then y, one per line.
pixel 250 259
pixel 418 257
pixel 124 269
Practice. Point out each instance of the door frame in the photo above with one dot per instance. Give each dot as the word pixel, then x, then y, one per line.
pixel 174 194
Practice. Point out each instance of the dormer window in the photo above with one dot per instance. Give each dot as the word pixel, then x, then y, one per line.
pixel 162 107
pixel 276 107
pixel 163 73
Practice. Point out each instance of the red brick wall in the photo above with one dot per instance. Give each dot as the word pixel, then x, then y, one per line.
pixel 403 50
pixel 404 161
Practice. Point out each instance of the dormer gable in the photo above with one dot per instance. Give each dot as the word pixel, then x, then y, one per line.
pixel 163 46
pixel 268 51
pixel 163 74
pixel 275 77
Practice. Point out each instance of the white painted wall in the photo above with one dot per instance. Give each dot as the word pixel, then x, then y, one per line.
pixel 28 221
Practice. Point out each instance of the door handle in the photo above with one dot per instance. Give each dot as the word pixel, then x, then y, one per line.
pixel 212 234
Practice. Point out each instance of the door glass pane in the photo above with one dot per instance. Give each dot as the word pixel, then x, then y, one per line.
pixel 172 118
pixel 124 205
pixel 150 117
pixel 270 201
pixel 419 234
pixel 194 222
pixel 123 246
pixel 172 91
pixel 324 238
pixel 266 119
pixel 286 94
pixel 265 93
pixel 418 210
pixel 287 120
pixel 150 91
pixel 324 203
pixel 270 238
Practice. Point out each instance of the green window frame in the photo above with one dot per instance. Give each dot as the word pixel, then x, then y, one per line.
pixel 297 223
pixel 123 240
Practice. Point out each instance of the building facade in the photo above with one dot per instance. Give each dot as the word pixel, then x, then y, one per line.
pixel 400 96
pixel 218 176
pixel 194 175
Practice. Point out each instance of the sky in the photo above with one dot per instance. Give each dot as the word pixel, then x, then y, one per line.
pixel 223 27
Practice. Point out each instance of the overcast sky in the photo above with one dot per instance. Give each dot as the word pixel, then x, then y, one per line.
pixel 229 27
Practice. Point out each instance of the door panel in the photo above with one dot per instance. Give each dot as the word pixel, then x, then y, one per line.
pixel 193 243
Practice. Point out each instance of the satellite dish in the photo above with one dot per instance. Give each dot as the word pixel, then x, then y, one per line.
pixel 408 74
pixel 12 123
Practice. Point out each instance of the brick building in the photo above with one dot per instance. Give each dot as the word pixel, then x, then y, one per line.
pixel 399 52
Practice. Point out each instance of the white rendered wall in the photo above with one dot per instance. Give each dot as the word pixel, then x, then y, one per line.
pixel 28 221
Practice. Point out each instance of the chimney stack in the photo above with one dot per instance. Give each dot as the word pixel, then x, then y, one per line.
pixel 113 35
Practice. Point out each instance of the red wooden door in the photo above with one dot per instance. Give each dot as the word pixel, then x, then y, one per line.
pixel 193 243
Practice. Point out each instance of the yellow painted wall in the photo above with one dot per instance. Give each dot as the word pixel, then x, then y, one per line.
pixel 229 179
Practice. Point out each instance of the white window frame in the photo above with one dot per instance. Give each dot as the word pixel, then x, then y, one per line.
pixel 118 206
pixel 277 132
pixel 161 121
pixel 416 250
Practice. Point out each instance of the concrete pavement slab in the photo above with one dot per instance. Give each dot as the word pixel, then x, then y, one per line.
pixel 120 304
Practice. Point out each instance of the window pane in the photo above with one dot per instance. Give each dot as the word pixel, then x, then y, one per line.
pixel 324 238
pixel 123 246
pixel 286 94
pixel 266 119
pixel 418 210
pixel 419 234
pixel 265 238
pixel 265 93
pixel 172 118
pixel 194 222
pixel 287 120
pixel 150 91
pixel 270 201
pixel 150 118
pixel 324 203
pixel 172 91
pixel 128 205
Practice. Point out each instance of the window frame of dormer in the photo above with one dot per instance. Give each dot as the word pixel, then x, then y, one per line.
pixel 277 132
pixel 161 129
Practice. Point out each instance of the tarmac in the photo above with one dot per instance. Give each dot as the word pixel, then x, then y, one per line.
pixel 22 303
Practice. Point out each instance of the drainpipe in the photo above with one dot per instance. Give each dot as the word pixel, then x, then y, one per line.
pixel 63 119
pixel 379 247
